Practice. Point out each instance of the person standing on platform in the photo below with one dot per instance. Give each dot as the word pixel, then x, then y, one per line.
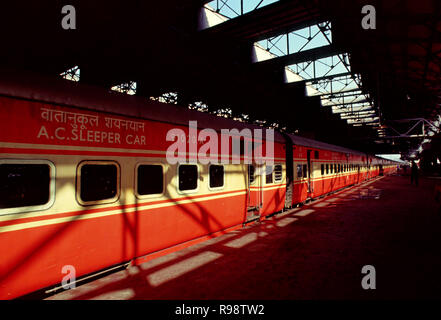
pixel 414 173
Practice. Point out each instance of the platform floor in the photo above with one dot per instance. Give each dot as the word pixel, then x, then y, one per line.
pixel 313 252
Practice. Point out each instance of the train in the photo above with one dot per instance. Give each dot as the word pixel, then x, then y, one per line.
pixel 85 180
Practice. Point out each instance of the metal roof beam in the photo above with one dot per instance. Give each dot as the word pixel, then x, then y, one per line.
pixel 339 94
pixel 374 122
pixel 330 77
pixel 354 116
pixel 302 56
pixel 270 20
pixel 352 110
pixel 357 113
pixel 345 103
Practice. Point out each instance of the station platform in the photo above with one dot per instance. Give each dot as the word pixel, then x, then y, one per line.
pixel 316 251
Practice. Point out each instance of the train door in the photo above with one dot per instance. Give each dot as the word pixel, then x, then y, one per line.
pixel 309 173
pixel 254 192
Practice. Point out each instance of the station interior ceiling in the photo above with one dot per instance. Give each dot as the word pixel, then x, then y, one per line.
pixel 160 45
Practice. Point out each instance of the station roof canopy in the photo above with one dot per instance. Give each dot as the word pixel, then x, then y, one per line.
pixel 306 66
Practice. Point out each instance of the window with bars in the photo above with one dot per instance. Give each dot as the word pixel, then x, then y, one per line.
pixel 278 173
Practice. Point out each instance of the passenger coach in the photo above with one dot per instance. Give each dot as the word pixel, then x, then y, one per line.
pixel 85 180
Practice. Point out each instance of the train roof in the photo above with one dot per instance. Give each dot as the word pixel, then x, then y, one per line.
pixel 70 93
pixel 301 141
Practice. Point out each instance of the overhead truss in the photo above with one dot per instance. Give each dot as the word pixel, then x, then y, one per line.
pixel 311 56
pixel 325 72
pixel 234 8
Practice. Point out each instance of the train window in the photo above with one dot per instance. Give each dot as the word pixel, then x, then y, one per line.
pixel 316 154
pixel 331 168
pixel 251 177
pixel 338 168
pixel 278 173
pixel 99 182
pixel 304 171
pixel 299 171
pixel 216 173
pixel 269 174
pixel 335 168
pixel 149 179
pixel 26 185
pixel 327 168
pixel 322 167
pixel 188 177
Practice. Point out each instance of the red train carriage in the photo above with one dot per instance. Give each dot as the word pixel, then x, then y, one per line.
pixel 87 182
pixel 320 168
pixel 86 179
